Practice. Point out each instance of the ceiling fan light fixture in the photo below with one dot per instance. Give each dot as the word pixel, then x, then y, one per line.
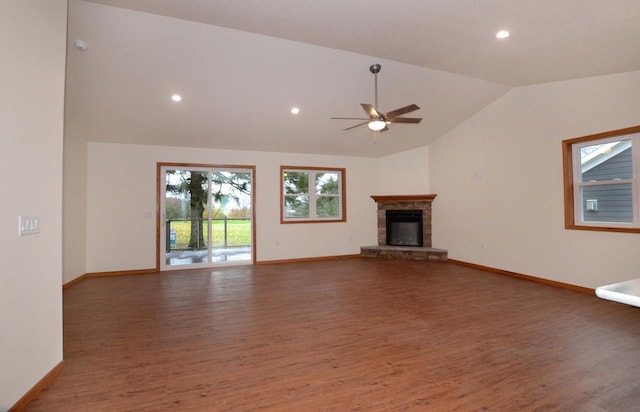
pixel 377 125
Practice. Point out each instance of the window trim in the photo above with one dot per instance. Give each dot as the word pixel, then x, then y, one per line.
pixel 342 195
pixel 568 167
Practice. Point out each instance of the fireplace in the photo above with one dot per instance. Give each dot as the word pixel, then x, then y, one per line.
pixel 404 227
pixel 414 209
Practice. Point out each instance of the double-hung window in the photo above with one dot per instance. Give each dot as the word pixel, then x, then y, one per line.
pixel 601 188
pixel 312 194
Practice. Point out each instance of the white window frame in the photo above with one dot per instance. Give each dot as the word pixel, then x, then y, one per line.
pixel 312 171
pixel 574 213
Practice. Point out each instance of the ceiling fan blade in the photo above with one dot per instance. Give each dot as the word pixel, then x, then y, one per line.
pixel 405 120
pixel 359 124
pixel 348 118
pixel 407 109
pixel 371 111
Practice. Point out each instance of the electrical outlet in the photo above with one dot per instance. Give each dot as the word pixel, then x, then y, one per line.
pixel 28 225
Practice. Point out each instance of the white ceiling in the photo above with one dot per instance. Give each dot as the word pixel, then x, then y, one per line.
pixel 241 65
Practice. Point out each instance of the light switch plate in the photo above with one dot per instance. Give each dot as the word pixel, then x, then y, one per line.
pixel 28 225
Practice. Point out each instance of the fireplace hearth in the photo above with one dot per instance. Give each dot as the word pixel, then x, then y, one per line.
pixel 404 229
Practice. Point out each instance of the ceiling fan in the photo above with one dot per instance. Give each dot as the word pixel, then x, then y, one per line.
pixel 380 121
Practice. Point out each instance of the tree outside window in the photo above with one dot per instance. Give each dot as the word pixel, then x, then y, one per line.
pixel 312 194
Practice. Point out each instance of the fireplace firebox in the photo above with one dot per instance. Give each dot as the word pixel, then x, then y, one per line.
pixel 404 227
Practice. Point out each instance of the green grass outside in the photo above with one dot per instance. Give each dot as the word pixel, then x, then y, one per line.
pixel 238 233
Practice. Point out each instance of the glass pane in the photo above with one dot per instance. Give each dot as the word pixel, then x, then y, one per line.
pixel 607 203
pixel 231 209
pixel 607 161
pixel 296 182
pixel 328 206
pixel 296 206
pixel 185 208
pixel 191 217
pixel 327 183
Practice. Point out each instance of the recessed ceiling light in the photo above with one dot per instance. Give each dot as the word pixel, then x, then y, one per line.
pixel 295 110
pixel 503 34
pixel 176 98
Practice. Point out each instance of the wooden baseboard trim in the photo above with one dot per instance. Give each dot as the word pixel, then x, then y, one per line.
pixel 312 259
pixel 121 273
pixel 42 383
pixel 105 274
pixel 74 281
pixel 569 286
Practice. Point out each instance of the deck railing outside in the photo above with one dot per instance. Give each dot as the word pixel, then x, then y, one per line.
pixel 225 233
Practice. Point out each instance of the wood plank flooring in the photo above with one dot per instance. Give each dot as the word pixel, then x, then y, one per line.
pixel 345 335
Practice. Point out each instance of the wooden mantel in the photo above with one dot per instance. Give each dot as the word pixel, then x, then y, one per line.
pixel 404 198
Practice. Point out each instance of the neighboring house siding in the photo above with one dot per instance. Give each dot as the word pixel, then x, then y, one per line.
pixel 614 202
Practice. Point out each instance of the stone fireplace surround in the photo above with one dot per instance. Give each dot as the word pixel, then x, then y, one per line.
pixel 404 202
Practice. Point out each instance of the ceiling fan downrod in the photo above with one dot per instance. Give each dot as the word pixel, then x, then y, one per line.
pixel 375 69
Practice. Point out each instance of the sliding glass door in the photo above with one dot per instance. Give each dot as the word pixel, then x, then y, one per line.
pixel 206 216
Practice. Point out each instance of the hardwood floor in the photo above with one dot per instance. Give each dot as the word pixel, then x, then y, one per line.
pixel 351 334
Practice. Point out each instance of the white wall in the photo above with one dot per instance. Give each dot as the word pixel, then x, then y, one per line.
pixel 32 52
pixel 122 191
pixel 74 219
pixel 405 173
pixel 499 182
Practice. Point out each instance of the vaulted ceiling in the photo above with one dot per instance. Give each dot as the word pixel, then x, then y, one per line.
pixel 241 65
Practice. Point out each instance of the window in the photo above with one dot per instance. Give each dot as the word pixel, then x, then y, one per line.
pixel 600 185
pixel 311 194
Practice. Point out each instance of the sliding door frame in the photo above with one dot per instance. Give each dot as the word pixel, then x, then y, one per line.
pixel 160 180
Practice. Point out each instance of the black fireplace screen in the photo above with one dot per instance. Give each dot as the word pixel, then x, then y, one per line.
pixel 404 227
